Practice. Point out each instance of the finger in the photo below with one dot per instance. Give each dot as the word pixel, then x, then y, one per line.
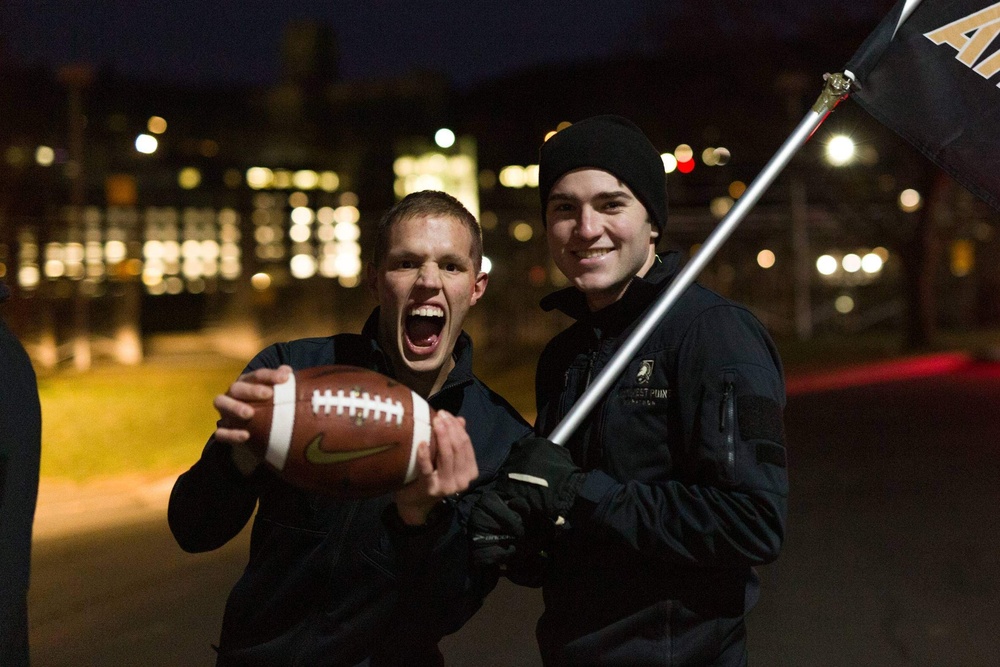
pixel 425 467
pixel 264 378
pixel 445 465
pixel 232 409
pixel 232 436
pixel 249 389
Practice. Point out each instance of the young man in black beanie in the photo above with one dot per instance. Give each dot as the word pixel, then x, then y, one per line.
pixel 644 530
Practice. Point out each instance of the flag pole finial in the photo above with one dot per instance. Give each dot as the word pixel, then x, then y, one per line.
pixel 836 89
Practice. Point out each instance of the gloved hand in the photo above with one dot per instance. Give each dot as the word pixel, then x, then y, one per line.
pixel 494 529
pixel 539 481
pixel 499 538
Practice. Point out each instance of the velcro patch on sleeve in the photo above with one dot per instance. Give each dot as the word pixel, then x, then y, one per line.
pixel 760 418
pixel 770 452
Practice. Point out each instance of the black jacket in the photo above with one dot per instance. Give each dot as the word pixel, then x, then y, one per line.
pixel 687 486
pixel 20 449
pixel 343 582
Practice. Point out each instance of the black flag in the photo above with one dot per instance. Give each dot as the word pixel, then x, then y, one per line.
pixel 929 72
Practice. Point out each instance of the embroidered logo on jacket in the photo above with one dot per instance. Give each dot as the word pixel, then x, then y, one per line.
pixel 645 371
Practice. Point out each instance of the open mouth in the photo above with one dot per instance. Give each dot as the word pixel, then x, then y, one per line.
pixel 423 327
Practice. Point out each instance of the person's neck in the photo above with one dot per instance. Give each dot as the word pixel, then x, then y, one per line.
pixel 430 383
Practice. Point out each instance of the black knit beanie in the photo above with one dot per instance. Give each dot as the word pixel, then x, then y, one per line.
pixel 617 146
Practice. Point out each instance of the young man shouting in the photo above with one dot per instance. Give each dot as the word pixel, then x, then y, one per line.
pixel 376 581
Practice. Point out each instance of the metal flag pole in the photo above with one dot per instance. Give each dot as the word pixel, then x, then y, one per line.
pixel 836 89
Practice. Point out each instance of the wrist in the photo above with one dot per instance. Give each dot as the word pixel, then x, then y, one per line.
pixel 417 515
pixel 244 460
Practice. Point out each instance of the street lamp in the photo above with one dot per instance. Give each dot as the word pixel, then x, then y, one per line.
pixel 840 150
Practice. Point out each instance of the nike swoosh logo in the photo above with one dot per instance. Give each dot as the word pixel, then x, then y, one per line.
pixel 322 457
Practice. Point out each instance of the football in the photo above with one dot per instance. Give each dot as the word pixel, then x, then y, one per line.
pixel 342 431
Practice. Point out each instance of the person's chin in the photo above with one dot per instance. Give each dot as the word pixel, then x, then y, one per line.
pixel 419 363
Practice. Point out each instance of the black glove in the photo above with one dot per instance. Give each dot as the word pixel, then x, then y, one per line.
pixel 498 538
pixel 494 529
pixel 540 481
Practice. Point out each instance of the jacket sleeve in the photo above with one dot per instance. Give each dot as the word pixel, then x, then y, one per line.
pixel 725 502
pixel 212 502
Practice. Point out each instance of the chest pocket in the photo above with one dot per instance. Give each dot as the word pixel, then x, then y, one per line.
pixel 640 421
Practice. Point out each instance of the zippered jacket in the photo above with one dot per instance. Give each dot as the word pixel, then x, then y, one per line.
pixel 333 582
pixel 687 483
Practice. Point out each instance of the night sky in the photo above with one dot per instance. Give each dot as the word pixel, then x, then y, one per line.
pixel 238 41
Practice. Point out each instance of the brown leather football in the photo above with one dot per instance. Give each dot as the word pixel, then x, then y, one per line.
pixel 342 431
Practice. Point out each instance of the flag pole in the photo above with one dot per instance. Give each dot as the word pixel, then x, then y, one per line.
pixel 835 90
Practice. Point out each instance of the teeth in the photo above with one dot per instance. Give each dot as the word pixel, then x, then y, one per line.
pixel 427 311
pixel 593 252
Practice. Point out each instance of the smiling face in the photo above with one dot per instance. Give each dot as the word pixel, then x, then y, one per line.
pixel 425 285
pixel 599 234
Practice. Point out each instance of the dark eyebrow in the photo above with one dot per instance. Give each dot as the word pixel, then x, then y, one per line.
pixel 613 194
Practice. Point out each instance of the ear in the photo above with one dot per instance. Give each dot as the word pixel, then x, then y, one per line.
pixel 479 287
pixel 654 233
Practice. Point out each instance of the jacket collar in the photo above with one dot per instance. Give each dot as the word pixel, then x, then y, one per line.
pixel 640 293
pixel 460 375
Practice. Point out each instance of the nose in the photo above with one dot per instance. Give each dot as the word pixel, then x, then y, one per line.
pixel 429 276
pixel 588 225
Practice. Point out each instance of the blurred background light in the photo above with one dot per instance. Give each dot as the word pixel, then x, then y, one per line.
pixel 156 125
pixel 827 264
pixel 851 263
pixel 871 263
pixel 305 179
pixel 513 176
pixel 765 259
pixel 521 231
pixel 303 266
pixel 44 156
pixel 444 138
pixel 146 144
pixel 720 206
pixel 844 304
pixel 189 178
pixel 840 150
pixel 910 200
pixel 329 181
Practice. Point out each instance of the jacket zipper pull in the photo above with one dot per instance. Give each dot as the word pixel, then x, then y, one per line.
pixel 590 367
pixel 724 405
